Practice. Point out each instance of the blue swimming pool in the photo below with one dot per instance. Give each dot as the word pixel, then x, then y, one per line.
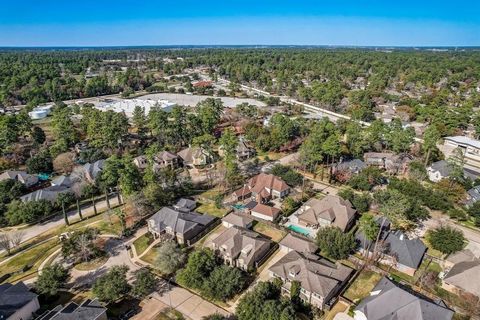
pixel 300 230
pixel 238 206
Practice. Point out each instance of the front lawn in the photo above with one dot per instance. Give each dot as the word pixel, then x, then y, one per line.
pixel 142 243
pixel 151 255
pixel 362 285
pixel 211 209
pixel 269 231
pixel 92 264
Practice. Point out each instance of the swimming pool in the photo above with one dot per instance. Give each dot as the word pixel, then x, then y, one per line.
pixel 299 229
pixel 238 206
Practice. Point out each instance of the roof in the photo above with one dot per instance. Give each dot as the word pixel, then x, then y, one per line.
pixel 464 141
pixel 243 191
pixel 20 176
pixel 355 165
pixel 238 220
pixel 189 154
pixel 62 181
pixel 473 195
pixel 240 243
pixel 50 193
pixel 316 274
pixel 331 208
pixel 298 244
pixel 266 210
pixel 87 310
pixel 442 167
pixel 268 181
pixel 13 297
pixel 387 301
pixel 408 252
pixel 461 276
pixel 180 222
pixel 94 169
pixel 165 156
pixel 186 205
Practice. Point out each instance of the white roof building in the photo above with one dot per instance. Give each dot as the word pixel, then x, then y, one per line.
pixel 128 106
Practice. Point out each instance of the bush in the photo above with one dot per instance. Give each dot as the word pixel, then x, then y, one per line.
pixel 144 283
pixel 446 239
pixel 170 258
pixel 334 243
pixel 51 279
pixel 290 176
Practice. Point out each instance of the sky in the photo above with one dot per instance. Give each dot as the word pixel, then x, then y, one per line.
pixel 232 22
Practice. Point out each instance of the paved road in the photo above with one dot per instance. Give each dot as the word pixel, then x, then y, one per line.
pixel 438 219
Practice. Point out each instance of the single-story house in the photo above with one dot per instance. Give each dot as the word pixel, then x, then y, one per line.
pixel 320 279
pixel 241 248
pixel 195 156
pixel 265 212
pixel 350 166
pixel 387 300
pixel 463 277
pixel 21 176
pixel 87 310
pixel 182 226
pixel 238 220
pixel 296 243
pixel 50 193
pixel 165 159
pixel 328 211
pixel 17 302
pixel 396 249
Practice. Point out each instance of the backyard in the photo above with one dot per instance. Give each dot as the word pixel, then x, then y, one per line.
pixel 211 209
pixel 363 284
pixel 269 231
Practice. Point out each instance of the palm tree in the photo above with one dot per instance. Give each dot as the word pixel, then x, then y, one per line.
pixel 90 191
pixel 62 200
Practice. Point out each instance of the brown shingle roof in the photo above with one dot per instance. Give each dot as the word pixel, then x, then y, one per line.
pixel 269 181
pixel 266 210
pixel 298 244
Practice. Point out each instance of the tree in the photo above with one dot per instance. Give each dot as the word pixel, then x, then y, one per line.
pixel 446 239
pixel 215 316
pixel 26 212
pixel 130 179
pixel 223 283
pixel 113 285
pixel 199 266
pixel 63 200
pixel 40 163
pixel 229 143
pixel 38 135
pixel 170 258
pixel 51 279
pixel 139 120
pixel 430 139
pixel 334 243
pixel 64 162
pixel 5 242
pixel 81 245
pixel 62 126
pixel 399 139
pixel 90 190
pixel 369 228
pixel 144 283
pixel 209 112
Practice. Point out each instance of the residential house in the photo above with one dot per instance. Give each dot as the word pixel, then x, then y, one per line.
pixel 17 302
pixel 395 249
pixel 92 170
pixel 265 212
pixel 21 176
pixel 185 205
pixel 65 181
pixel 353 166
pixel 328 211
pixel 87 310
pixel 166 159
pixel 389 301
pixel 320 279
pixel 469 147
pixel 441 170
pixel 392 163
pixel 460 278
pixel 182 226
pixel 241 248
pixel 295 243
pixel 238 220
pixel 50 194
pixel 262 188
pixel 473 195
pixel 195 157
pixel 141 162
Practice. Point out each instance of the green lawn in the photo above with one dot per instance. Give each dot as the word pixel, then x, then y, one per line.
pixel 210 194
pixel 362 285
pixel 211 209
pixel 142 243
pixel 269 231
pixel 151 255
pixel 92 264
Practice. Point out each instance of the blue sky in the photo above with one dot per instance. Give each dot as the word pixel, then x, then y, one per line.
pixel 333 22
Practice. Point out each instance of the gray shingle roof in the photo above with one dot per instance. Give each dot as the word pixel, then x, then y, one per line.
pixel 185 205
pixel 88 310
pixel 298 244
pixel 462 274
pixel 180 222
pixel 355 165
pixel 50 194
pixel 390 302
pixel 13 297
pixel 238 220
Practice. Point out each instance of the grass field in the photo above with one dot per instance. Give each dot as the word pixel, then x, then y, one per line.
pixel 151 255
pixel 211 209
pixel 142 243
pixel 362 286
pixel 273 233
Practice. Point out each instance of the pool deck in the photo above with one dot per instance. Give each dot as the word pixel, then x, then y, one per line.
pixel 293 222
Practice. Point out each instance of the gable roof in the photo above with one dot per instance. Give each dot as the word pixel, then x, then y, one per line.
pixel 13 297
pixel 189 154
pixel 298 244
pixel 50 193
pixel 185 205
pixel 390 302
pixel 462 140
pixel 442 167
pixel 240 243
pixel 165 156
pixel 21 176
pixel 62 181
pixel 87 310
pixel 331 208
pixel 355 165
pixel 238 220
pixel 462 274
pixel 92 170
pixel 180 222
pixel 266 210
pixel 267 181
pixel 316 274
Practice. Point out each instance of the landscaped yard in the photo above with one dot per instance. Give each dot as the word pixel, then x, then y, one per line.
pixel 142 243
pixel 92 264
pixel 362 285
pixel 269 231
pixel 210 195
pixel 151 255
pixel 211 209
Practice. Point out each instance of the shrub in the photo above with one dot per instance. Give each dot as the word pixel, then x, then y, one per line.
pixel 446 239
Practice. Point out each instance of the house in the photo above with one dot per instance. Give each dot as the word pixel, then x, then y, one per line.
pixel 65 181
pixel 441 170
pixel 328 211
pixel 261 188
pixel 24 178
pixel 396 249
pixel 320 280
pixel 185 205
pixel 195 157
pixel 182 226
pixel 473 195
pixel 50 194
pixel 392 163
pixel 238 220
pixel 92 170
pixel 243 150
pixel 470 149
pixel 166 159
pixel 459 278
pixel 241 248
pixel 389 301
pixel 295 243
pixel 265 212
pixel 87 310
pixel 141 162
pixel 17 302
pixel 350 166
